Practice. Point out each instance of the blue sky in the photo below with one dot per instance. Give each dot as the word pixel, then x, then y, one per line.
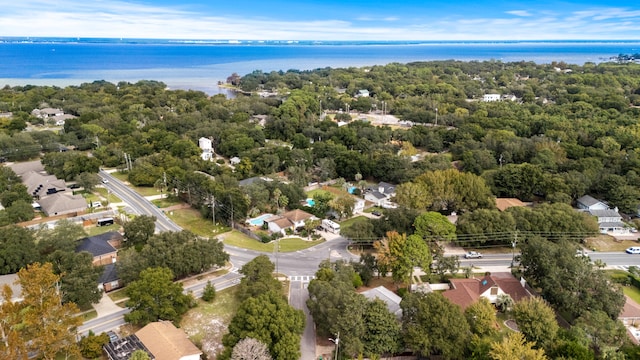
pixel 323 19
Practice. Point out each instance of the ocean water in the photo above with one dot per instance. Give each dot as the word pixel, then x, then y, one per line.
pixel 200 65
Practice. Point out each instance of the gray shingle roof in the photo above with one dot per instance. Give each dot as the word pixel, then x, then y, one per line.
pixel 99 244
pixel 588 201
pixel 109 274
pixel 605 213
pixel 62 203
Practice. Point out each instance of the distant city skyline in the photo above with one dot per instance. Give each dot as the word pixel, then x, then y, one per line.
pixel 324 20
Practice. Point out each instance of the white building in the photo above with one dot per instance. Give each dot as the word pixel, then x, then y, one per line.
pixel 207 148
pixel 491 97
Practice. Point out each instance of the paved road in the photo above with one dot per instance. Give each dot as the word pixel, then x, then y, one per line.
pixel 137 203
pixel 298 295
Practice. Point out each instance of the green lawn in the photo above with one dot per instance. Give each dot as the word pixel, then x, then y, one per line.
pixel 89 315
pixel 632 292
pixel 191 219
pixel 117 295
pixel 110 197
pixel 236 238
pixel 312 193
pixel 349 222
pixel 97 230
pixel 166 202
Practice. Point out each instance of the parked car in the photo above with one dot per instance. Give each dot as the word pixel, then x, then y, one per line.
pixel 112 336
pixel 376 213
pixel 633 250
pixel 473 255
pixel 581 252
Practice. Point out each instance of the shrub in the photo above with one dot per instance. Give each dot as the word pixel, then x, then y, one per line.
pixel 264 238
pixel 209 292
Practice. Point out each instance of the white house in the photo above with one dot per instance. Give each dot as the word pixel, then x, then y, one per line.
pixel 491 97
pixel 381 195
pixel 609 220
pixel 234 160
pixel 358 207
pixel 207 148
pixel 363 93
pixel 290 220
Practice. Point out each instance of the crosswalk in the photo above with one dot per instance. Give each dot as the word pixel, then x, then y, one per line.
pixel 621 267
pixel 303 278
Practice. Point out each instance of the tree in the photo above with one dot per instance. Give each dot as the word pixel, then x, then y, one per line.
pixel 258 278
pixel 91 345
pixel 155 296
pixel 139 355
pixel 407 252
pixel 431 325
pixel 78 277
pixel 537 321
pixel 269 319
pixel 343 205
pixel 87 180
pixel 445 264
pixel 138 230
pixel 209 292
pixel 48 326
pixel 250 349
pixel 514 346
pixel 382 330
pixel 434 226
pixel 604 334
pixel 63 237
pixel 360 232
pixel 481 317
pixel 12 343
pixel 17 249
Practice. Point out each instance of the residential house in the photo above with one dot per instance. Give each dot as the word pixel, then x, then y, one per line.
pixel 102 247
pixel 234 161
pixel 609 220
pixel 39 185
pixel 491 97
pixel 358 206
pixel 62 203
pixel 6 115
pixel 389 297
pixel 363 93
pixel 166 342
pixel 381 195
pixel 22 168
pixel 207 148
pixel 465 292
pixel 122 348
pixel 590 203
pixel 290 220
pixel 109 279
pixel 47 112
pixel 253 180
pixel 508 97
pixel 504 203
pixel 60 120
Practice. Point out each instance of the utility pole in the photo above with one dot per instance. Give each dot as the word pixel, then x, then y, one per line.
pixel 337 342
pixel 513 249
pixel 213 208
pixel 231 201
pixel 164 178
pixel 436 116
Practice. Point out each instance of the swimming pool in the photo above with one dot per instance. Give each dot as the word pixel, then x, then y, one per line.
pixel 310 202
pixel 351 189
pixel 258 221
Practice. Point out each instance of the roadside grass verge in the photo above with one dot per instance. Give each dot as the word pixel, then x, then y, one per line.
pixel 142 190
pixel 118 295
pixel 111 198
pixel 166 202
pixel 632 292
pixel 207 323
pixel 238 239
pixel 191 219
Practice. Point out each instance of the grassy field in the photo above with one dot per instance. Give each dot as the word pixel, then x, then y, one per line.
pixel 191 220
pixel 111 198
pixel 608 243
pixel 207 323
pixel 236 238
pixel 166 202
pixel 349 222
pixel 118 295
pixel 312 193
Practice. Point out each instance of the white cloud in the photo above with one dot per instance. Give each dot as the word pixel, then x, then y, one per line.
pixel 523 13
pixel 73 18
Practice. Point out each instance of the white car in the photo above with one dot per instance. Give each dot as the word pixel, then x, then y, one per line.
pixel 633 250
pixel 105 181
pixel 473 255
